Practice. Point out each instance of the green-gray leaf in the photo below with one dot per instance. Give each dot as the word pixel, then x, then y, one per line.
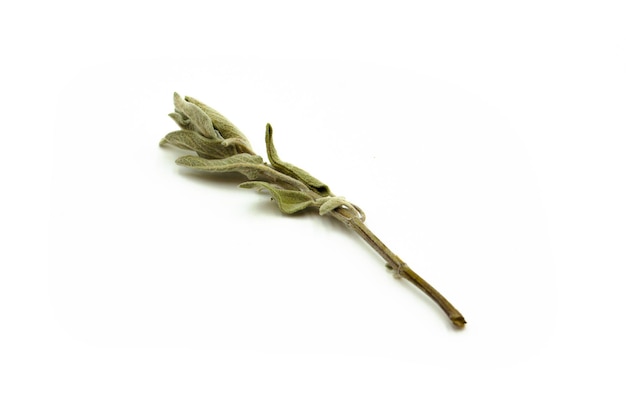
pixel 331 204
pixel 226 128
pixel 205 147
pixel 201 121
pixel 289 201
pixel 249 165
pixel 291 170
pixel 182 121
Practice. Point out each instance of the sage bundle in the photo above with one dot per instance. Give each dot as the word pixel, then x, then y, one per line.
pixel 220 147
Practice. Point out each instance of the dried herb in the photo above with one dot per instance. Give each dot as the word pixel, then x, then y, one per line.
pixel 221 147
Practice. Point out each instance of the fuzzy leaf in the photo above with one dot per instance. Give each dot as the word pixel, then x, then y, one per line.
pixel 182 121
pixel 205 147
pixel 246 164
pixel 291 170
pixel 200 120
pixel 289 201
pixel 332 204
pixel 224 127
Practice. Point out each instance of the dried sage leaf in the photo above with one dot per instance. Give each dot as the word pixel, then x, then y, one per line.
pixel 205 147
pixel 289 201
pixel 225 127
pixel 291 170
pixel 201 121
pixel 331 204
pixel 249 165
pixel 182 121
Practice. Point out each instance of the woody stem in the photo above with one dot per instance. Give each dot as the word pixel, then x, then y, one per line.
pixel 354 221
pixel 401 268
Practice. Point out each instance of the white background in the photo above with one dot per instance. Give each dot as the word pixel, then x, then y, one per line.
pixel 483 140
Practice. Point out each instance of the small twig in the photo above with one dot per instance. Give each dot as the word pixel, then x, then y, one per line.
pixel 400 267
pixel 221 147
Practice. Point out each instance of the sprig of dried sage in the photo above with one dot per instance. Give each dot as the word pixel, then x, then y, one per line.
pixel 221 148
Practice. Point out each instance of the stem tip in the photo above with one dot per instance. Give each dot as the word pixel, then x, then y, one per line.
pixel 458 321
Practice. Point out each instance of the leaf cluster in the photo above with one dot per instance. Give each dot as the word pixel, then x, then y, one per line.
pixel 221 147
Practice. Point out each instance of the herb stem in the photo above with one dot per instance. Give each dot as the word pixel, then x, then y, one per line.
pixel 400 267
pixel 354 222
pixel 221 147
